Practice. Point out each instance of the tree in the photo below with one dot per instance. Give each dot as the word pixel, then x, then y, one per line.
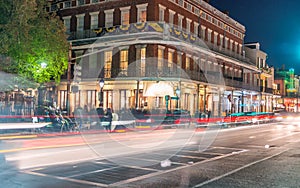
pixel 33 39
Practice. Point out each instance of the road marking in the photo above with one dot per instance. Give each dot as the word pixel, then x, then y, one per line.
pixel 40 147
pixel 86 173
pixel 67 179
pixel 238 169
pixel 17 137
pixel 120 183
pixel 277 138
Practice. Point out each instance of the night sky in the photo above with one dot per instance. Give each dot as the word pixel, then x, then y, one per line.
pixel 275 24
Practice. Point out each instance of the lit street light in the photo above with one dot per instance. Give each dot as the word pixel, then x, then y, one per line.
pixel 177 91
pixel 101 84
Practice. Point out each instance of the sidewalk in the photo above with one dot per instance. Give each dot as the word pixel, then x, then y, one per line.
pixel 22 125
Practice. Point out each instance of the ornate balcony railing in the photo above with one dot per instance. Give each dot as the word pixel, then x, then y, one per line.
pixel 156 31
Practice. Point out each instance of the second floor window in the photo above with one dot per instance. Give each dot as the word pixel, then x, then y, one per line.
pixel 107 65
pixel 180 18
pixel 124 62
pixel 160 57
pixel 142 13
pixel 187 63
pixel 67 23
pixel 209 35
pixel 188 25
pixel 170 59
pixel 143 61
pixel 171 16
pixel 125 16
pixel 94 20
pixel 80 22
pixel 109 18
pixel 162 13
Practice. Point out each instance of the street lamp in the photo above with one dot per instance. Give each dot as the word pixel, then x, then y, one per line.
pixel 101 84
pixel 177 91
pixel 243 95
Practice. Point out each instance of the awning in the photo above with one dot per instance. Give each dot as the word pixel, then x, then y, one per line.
pixel 159 89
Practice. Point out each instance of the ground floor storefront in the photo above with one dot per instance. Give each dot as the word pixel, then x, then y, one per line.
pixel 164 95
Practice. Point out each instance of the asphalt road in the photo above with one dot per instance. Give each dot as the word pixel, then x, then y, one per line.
pixel 250 156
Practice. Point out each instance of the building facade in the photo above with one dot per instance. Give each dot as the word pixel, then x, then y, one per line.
pixel 145 50
pixel 264 101
pixel 288 85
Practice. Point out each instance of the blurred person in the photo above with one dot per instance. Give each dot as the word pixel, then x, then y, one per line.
pixel 108 117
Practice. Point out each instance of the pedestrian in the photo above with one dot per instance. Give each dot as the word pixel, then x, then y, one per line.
pixel 100 113
pixel 78 115
pixel 108 117
pixel 208 114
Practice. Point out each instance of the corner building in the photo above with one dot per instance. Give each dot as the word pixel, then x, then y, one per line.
pixel 147 49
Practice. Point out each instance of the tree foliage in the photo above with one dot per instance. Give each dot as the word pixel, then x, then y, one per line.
pixel 31 37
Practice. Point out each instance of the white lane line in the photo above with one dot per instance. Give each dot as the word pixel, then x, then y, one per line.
pixel 238 169
pixel 278 138
pixel 92 172
pixel 67 179
pixel 120 183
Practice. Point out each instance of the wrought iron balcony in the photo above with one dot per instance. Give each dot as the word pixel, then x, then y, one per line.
pixel 266 89
pixel 154 31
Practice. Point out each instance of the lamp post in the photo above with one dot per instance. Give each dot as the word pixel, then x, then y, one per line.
pixel 101 84
pixel 177 91
pixel 243 104
pixel 69 79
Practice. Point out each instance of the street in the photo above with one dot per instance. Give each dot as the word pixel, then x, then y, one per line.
pixel 264 155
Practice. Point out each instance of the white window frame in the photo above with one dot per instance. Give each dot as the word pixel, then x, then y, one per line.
pixel 141 8
pixel 203 31
pixel 209 31
pixel 160 58
pixel 108 63
pixel 188 58
pixel 189 6
pixel 170 58
pixel 179 61
pixel 94 20
pixel 143 60
pixel 78 2
pixel 188 25
pixel 67 23
pixel 196 28
pixel 80 22
pixel 236 47
pixel 109 18
pixel 216 38
pixel 221 40
pixel 231 44
pixel 180 19
pixel 161 13
pixel 125 11
pixel 124 60
pixel 181 3
pixel 226 43
pixel 68 2
pixel 203 15
pixel 171 16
